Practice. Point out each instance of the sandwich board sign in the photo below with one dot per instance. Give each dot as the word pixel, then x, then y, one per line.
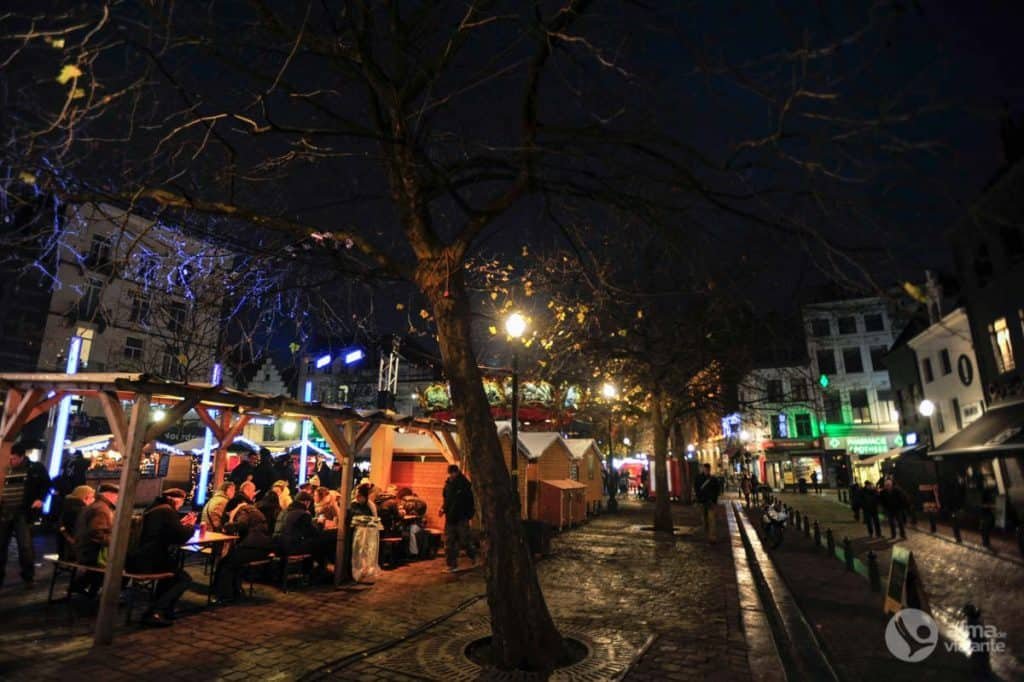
pixel 904 588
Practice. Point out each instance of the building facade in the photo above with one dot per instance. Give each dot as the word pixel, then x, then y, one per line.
pixel 142 297
pixel 779 426
pixel 949 377
pixel 846 343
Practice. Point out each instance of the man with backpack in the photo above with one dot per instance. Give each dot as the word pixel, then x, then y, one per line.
pixel 707 489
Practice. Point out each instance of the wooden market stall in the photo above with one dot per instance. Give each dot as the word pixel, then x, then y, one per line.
pixel 562 503
pixel 588 470
pixel 225 411
pixel 162 466
pixel 418 462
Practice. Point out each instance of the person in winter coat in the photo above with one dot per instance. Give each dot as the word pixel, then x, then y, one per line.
pixel 74 506
pixel 246 495
pixel 856 499
pixel 326 476
pixel 458 508
pixel 707 489
pixel 254 543
pixel 213 513
pixel 163 533
pixel 264 475
pixel 246 469
pixel 95 524
pixel 270 507
pixel 25 488
pixel 894 502
pixel 869 505
pixel 297 530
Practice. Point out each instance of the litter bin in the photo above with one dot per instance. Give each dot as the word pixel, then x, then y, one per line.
pixel 801 485
pixel 538 537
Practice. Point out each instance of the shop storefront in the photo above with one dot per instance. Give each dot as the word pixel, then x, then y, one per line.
pixel 789 460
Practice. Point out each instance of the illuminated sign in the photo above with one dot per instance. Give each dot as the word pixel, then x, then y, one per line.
pixel 911 438
pixel 823 380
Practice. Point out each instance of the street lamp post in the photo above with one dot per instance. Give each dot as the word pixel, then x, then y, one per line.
pixel 610 393
pixel 515 325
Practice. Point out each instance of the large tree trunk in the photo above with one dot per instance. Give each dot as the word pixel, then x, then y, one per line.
pixel 662 511
pixel 524 635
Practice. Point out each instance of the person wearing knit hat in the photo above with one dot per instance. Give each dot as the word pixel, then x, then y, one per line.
pixel 74 505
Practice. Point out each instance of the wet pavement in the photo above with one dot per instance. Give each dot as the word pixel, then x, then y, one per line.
pixel 665 608
pixel 952 575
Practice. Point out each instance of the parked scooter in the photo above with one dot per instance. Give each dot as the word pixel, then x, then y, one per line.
pixel 773 524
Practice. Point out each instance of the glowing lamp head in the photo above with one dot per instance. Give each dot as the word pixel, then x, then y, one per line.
pixel 288 428
pixel 323 361
pixel 627 441
pixel 609 391
pixel 354 355
pixel 515 325
pixel 691 448
pixel 159 415
pixel 926 408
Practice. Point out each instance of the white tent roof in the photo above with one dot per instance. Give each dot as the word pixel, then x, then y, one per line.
pixel 105 440
pixel 579 446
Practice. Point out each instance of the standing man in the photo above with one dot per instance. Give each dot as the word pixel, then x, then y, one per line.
pixel 815 482
pixel 21 499
pixel 707 489
pixel 246 469
pixel 869 506
pixel 163 533
pixel 458 508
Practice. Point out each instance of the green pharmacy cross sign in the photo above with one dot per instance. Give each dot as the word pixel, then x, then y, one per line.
pixel 823 380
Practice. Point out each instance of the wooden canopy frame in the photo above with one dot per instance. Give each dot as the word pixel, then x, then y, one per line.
pixel 225 411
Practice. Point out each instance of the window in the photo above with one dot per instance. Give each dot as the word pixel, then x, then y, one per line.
pixel 133 348
pixel 982 266
pixel 90 300
pixel 87 335
pixel 803 426
pixel 574 471
pixel 833 408
pixel 940 422
pixel 877 358
pixel 852 362
pixel 170 368
pixel 140 312
pixel 176 314
pixel 848 325
pixel 956 414
pixel 947 366
pixel 859 407
pixel 999 333
pixel 799 388
pixel 926 369
pixel 826 361
pixel 780 426
pixel 886 407
pixel 820 327
pixel 774 390
pixel 99 251
pixel 874 323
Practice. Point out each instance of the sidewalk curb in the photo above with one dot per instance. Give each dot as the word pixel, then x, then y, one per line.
pixel 801 652
pixel 763 650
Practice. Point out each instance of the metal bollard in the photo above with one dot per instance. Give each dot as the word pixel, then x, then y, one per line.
pixel 873 576
pixel 796 516
pixel 931 522
pixel 817 535
pixel 830 542
pixel 987 521
pixel 955 520
pixel 848 553
pixel 807 526
pixel 980 664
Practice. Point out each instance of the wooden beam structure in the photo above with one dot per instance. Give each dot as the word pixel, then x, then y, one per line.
pixel 443 447
pixel 117 552
pixel 175 415
pixel 340 444
pixel 17 409
pixel 111 405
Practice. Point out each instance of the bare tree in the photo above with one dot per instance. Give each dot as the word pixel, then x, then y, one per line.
pixel 387 141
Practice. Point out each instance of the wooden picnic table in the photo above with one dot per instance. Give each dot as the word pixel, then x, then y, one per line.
pixel 216 542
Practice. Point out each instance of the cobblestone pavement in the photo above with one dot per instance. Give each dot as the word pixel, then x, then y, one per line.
pixel 952 576
pixel 609 584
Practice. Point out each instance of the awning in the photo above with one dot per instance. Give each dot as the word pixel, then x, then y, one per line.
pixel 999 430
pixel 883 456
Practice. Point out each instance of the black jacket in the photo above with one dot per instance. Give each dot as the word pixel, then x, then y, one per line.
pixel 162 535
pixel 238 500
pixel 242 472
pixel 893 500
pixel 270 507
pixel 869 500
pixel 30 482
pixel 326 476
pixel 707 489
pixel 69 513
pixel 297 531
pixel 263 477
pixel 459 504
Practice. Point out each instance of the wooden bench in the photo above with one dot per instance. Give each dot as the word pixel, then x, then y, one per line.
pixel 249 567
pixel 133 581
pixel 288 563
pixel 391 551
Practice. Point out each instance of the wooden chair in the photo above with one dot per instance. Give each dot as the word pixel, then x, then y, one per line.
pixel 288 572
pixel 133 582
pixel 391 552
